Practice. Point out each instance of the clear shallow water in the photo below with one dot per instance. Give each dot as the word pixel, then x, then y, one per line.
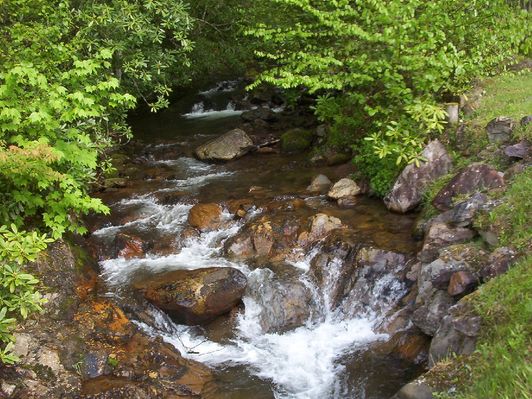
pixel 328 357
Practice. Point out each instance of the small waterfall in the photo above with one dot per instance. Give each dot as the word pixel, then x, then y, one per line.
pixel 306 361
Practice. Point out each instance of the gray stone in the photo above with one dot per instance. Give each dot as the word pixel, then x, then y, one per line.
pixel 463 213
pixel 456 335
pixel 498 263
pixel 409 187
pixel 525 120
pixel 500 129
pixel 285 303
pixel 441 235
pixel 227 147
pixel 520 150
pixel 429 316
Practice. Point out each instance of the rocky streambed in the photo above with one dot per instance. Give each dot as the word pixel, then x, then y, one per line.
pixel 233 267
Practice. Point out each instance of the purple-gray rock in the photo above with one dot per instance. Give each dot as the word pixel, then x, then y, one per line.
pixel 520 150
pixel 474 177
pixel 409 187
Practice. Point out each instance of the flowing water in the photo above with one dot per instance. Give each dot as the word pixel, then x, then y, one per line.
pixel 330 355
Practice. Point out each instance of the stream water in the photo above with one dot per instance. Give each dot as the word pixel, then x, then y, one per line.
pixel 330 356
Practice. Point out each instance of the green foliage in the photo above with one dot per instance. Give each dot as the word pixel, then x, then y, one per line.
pixel 18 295
pixel 69 73
pixel 380 171
pixel 380 68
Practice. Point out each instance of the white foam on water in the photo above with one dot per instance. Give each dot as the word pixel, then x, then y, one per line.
pixel 301 364
pixel 188 164
pixel 151 215
pixel 197 181
pixel 199 111
pixel 196 252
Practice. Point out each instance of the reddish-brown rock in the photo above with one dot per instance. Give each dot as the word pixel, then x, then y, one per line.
pixel 195 296
pixel 461 283
pixel 205 217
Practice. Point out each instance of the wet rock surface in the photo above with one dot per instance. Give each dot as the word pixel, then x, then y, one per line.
pixel 195 296
pixel 205 217
pixel 286 302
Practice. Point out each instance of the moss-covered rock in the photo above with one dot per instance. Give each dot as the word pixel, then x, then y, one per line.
pixel 296 140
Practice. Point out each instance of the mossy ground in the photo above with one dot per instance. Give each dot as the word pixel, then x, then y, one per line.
pixel 501 366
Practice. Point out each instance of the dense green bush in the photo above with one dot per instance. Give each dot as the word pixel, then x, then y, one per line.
pixel 380 68
pixel 69 73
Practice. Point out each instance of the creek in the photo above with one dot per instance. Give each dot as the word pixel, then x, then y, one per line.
pixel 332 354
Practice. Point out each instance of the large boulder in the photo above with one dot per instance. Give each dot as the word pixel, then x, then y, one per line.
pixel 361 278
pixel 409 187
pixel 195 296
pixel 475 177
pixel 205 217
pixel 500 129
pixel 227 147
pixel 285 303
pixel 344 188
pixel 456 335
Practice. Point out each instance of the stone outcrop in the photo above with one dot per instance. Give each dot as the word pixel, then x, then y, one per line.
pixel 229 146
pixel 472 178
pixel 456 335
pixel 409 187
pixel 195 296
pixel 441 235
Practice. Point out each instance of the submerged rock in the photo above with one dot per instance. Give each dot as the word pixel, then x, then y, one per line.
pixel 414 390
pixel 475 177
pixel 296 140
pixel 409 187
pixel 205 217
pixel 195 296
pixel 344 188
pixel 319 184
pixel 227 147
pixel 320 225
